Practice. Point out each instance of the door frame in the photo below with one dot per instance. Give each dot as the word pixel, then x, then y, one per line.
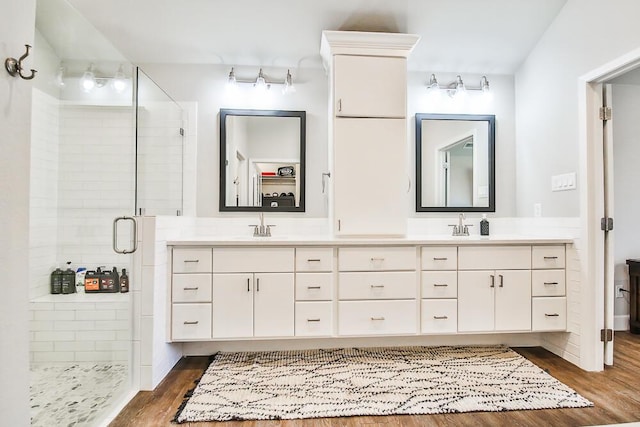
pixel 591 245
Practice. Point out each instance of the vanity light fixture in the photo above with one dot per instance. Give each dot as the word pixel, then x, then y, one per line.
pixel 457 88
pixel 262 82
pixel 89 81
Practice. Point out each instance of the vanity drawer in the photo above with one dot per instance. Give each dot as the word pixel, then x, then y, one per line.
pixel 191 287
pixel 439 316
pixel 547 283
pixel 549 314
pixel 314 286
pixel 548 256
pixel 192 260
pixel 376 317
pixel 439 258
pixel 494 257
pixel 314 259
pixel 314 319
pixel 370 285
pixel 439 284
pixel 377 258
pixel 254 260
pixel 191 322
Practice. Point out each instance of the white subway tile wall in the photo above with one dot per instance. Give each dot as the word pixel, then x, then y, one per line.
pixel 91 328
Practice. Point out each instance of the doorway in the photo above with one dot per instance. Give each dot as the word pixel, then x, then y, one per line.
pixel 606 148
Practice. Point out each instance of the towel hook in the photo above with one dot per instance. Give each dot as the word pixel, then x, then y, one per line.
pixel 14 66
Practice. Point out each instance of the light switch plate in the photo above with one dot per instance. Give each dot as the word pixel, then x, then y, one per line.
pixel 563 182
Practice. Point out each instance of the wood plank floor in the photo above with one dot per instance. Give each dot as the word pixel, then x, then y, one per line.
pixel 615 393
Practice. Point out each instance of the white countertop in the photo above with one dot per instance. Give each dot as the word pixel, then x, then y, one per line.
pixel 359 241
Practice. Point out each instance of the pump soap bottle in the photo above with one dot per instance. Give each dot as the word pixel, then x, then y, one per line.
pixel 124 281
pixel 484 226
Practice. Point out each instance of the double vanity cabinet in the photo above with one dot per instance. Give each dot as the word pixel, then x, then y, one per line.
pixel 241 291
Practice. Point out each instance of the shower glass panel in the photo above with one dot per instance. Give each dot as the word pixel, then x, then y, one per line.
pixel 159 146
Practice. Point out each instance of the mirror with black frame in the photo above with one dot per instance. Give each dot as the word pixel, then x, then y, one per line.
pixel 262 160
pixel 455 163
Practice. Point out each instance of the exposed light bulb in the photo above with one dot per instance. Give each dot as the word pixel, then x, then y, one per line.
pixel 119 80
pixel 288 84
pixel 433 83
pixel 231 81
pixel 261 82
pixel 59 78
pixel 486 92
pixel 88 80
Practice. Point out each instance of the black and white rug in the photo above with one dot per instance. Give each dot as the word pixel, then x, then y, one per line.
pixel 372 381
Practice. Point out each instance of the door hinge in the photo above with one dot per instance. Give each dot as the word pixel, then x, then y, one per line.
pixel 606 224
pixel 606 335
pixel 605 113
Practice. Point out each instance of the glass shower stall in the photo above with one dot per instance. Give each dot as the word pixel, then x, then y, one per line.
pixel 106 148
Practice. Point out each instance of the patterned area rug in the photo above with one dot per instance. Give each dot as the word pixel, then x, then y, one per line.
pixel 371 381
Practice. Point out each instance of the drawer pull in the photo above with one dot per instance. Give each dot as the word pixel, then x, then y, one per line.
pixel 313 320
pixel 440 258
pixel 551 315
pixel 313 259
pixel 193 288
pixel 373 259
pixel 186 322
pixel 551 257
pixel 501 280
pixel 493 281
pixel 440 317
pixel 378 318
pixel 191 260
pixel 248 288
pixel 440 285
pixel 377 286
pixel 550 283
pixel 257 285
pixel 314 287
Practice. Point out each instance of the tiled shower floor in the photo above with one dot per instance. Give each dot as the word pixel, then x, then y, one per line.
pixel 75 394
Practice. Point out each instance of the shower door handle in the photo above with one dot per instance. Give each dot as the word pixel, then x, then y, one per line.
pixel 115 235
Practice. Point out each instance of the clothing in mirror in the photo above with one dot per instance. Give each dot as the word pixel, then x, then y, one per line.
pixel 262 160
pixel 455 163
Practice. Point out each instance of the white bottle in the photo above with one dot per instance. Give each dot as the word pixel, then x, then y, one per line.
pixel 80 273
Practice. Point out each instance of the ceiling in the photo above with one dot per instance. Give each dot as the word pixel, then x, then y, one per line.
pixel 473 36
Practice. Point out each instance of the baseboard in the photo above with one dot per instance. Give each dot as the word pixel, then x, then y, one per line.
pixel 621 322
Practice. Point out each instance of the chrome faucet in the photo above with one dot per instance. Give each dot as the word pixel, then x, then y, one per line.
pixel 261 230
pixel 460 229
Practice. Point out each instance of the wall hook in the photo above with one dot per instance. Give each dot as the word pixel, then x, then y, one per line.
pixel 14 66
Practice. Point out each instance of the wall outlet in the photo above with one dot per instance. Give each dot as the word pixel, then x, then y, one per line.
pixel 619 291
pixel 537 210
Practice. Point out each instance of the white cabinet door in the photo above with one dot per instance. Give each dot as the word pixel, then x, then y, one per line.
pixel 273 305
pixel 370 180
pixel 513 300
pixel 475 301
pixel 233 305
pixel 370 86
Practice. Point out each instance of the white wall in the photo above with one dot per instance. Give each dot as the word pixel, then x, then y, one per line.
pixel 585 35
pixel 15 113
pixel 626 158
pixel 206 85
